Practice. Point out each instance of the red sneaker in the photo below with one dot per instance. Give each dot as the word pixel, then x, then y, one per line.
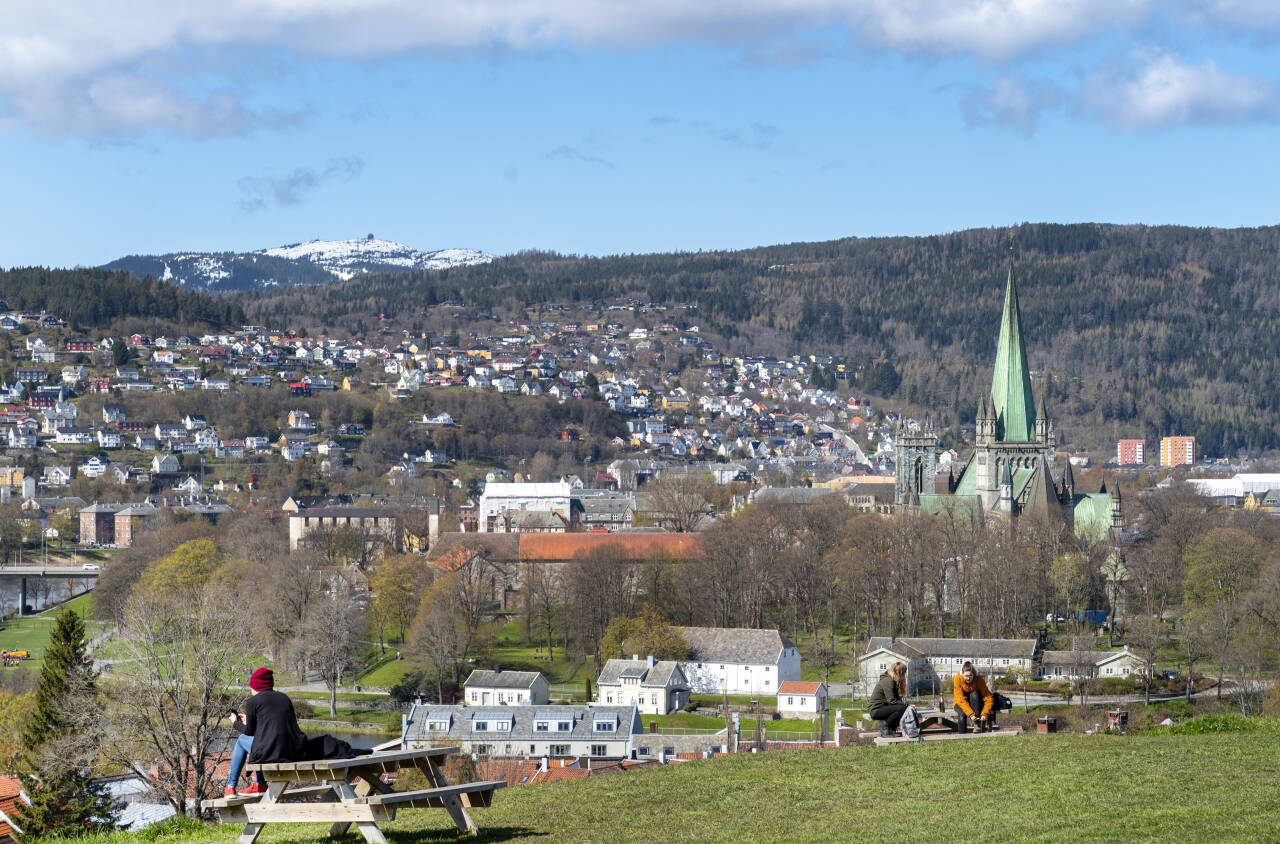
pixel 230 792
pixel 254 789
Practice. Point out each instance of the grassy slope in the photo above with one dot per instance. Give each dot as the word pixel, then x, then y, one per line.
pixel 1033 788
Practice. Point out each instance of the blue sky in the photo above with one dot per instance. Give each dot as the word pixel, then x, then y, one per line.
pixel 610 126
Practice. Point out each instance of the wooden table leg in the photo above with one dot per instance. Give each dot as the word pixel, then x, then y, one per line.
pixel 251 830
pixel 368 829
pixel 452 804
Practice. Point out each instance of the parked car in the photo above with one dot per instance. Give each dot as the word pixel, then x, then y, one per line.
pixel 91 567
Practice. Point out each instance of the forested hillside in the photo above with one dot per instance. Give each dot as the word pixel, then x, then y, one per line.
pixel 1134 329
pixel 88 298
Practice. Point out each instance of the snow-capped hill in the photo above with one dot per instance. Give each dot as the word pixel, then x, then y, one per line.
pixel 346 258
pixel 314 262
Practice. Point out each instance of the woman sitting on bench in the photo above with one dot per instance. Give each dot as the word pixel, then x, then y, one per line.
pixel 886 704
pixel 973 701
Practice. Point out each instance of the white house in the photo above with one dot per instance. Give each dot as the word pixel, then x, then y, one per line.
pixel 653 687
pixel 932 663
pixel 798 699
pixel 165 463
pixel 500 498
pixel 738 660
pixel 505 688
pixel 1076 665
pixel 529 732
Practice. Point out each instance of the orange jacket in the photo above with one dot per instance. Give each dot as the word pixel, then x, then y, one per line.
pixel 962 690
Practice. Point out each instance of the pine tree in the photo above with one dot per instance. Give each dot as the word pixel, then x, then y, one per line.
pixel 63 798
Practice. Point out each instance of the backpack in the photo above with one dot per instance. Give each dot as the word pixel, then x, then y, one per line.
pixel 1002 703
pixel 910 724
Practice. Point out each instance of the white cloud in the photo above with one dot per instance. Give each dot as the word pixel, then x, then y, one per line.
pixel 1160 90
pixel 1013 102
pixel 89 66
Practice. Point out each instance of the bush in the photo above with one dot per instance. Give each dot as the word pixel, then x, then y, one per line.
pixel 1203 724
pixel 304 709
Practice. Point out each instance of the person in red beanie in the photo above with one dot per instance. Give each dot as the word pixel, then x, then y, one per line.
pixel 268 733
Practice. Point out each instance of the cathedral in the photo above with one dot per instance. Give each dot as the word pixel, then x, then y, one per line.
pixel 1011 471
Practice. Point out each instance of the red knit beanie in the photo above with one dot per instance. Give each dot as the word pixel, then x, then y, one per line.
pixel 262 679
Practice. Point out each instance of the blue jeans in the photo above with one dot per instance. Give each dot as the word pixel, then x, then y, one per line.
pixel 239 753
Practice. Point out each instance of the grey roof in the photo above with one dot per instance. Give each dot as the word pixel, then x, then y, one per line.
pixel 1085 657
pixel 662 674
pixel 103 508
pixel 930 647
pixel 737 645
pixel 484 678
pixel 791 495
pixel 625 722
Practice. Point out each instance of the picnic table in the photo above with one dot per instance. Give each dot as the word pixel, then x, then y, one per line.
pixel 327 790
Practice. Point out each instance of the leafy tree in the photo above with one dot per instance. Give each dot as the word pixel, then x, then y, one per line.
pixel 64 798
pixel 648 634
pixel 188 566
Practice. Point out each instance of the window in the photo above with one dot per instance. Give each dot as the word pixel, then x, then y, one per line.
pixel 642 751
pixel 959 660
pixel 502 698
pixel 541 726
pixel 1108 670
pixel 437 726
pixel 482 749
pixel 502 726
pixel 608 698
pixel 1057 672
pixel 790 701
pixel 883 666
pixel 533 748
pixel 766 668
pixel 766 682
pixel 653 699
pixel 559 750
pixel 1006 662
pixel 603 726
pixel 599 750
pixel 564 726
pixel 481 726
pixel 670 751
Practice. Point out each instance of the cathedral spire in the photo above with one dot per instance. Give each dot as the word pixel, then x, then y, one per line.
pixel 1012 402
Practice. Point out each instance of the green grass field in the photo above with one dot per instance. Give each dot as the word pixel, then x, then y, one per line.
pixel 1148 787
pixel 31 633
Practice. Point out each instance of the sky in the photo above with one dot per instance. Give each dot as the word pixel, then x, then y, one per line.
pixel 615 126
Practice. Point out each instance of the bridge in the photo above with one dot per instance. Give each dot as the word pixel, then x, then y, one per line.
pixel 21 573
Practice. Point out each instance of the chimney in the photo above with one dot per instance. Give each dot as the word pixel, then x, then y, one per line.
pixel 649 661
pixel 635 657
pixel 545 765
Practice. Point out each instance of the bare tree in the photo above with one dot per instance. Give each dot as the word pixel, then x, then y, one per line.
pixel 679 500
pixel 330 638
pixel 166 695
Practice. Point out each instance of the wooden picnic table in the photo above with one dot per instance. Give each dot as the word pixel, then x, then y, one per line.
pixel 323 790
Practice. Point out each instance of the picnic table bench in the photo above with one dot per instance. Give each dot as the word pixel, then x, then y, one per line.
pixel 323 790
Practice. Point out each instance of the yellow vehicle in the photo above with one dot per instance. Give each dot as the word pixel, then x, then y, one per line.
pixel 16 654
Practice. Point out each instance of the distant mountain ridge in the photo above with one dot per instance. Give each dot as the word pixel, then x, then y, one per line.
pixel 312 262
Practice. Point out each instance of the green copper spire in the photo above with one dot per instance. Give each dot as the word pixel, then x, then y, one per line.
pixel 1011 397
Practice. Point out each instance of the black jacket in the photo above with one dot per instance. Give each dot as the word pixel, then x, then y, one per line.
pixel 885 693
pixel 269 718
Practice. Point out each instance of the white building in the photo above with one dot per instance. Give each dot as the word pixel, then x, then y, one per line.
pixel 933 663
pixel 1076 665
pixel 504 499
pixel 738 660
pixel 798 699
pixel 506 688
pixel 528 732
pixel 653 687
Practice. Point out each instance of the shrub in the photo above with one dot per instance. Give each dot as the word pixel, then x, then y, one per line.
pixel 1203 724
pixel 304 709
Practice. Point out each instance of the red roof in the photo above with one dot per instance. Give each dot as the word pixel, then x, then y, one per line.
pixel 797 687
pixel 637 546
pixel 10 789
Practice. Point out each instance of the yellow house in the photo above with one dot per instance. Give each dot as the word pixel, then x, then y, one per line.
pixel 11 476
pixel 346 383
